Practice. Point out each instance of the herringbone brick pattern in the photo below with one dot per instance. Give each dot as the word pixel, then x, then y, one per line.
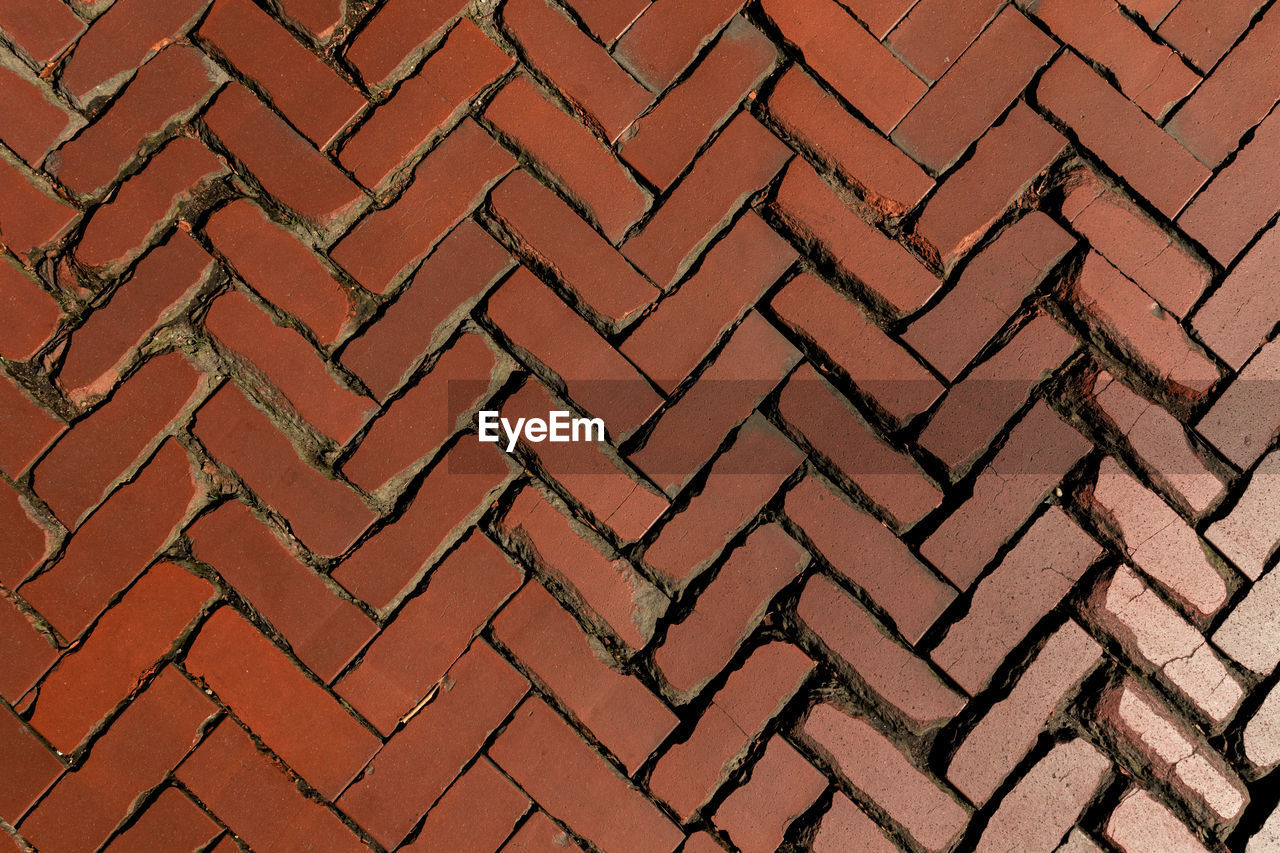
pixel 933 339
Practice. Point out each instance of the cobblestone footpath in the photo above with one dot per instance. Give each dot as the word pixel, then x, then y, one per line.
pixel 933 341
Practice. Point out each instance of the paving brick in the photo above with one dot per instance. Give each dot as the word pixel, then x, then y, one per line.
pixel 1151 11
pixel 886 178
pixel 782 786
pixel 1261 743
pixel 741 160
pixel 665 139
pixel 171 822
pixel 691 771
pixel 27 652
pixel 1242 421
pixel 1204 30
pixel 396 34
pixel 30 766
pixel 323 630
pixel 1140 824
pixel 42 217
pixel 26 541
pixel 549 761
pixel 1245 534
pixel 896 674
pixel 420 760
pixel 477 813
pixel 454 492
pixel 120 40
pixel 935 33
pixel 1248 631
pixel 812 209
pixel 848 57
pixel 45 121
pixel 672 339
pixel 540 835
pixel 465 64
pixel 1238 317
pixel 877 365
pixel 1008 731
pixel 998 65
pixel 551 232
pixel 1078 842
pixel 123 647
pixel 288 168
pixel 845 827
pixel 145 742
pixel 447 184
pixel 1267 836
pixel 255 798
pixel 116 543
pixel 455 276
pixel 1036 455
pixel 36 313
pixel 279 268
pixel 319 17
pixel 326 515
pixel 1009 157
pixel 43 28
pixel 667 36
pixel 877 768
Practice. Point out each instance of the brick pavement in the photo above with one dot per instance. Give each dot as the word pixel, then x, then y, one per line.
pixel 934 343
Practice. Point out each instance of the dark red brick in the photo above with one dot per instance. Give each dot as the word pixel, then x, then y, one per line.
pixel 32 217
pixel 26 542
pixel 478 812
pixel 27 656
pixel 783 785
pixel 30 766
pixel 609 19
pixel 1204 30
pixel 935 33
pixel 26 429
pixel 171 822
pixel 539 834
pixel 317 16
pixel 322 629
pixel 32 314
pixel 447 184
pixel 42 28
pixel 396 34
pixel 326 515
pixel 44 121
pixel 668 35
pixel 465 64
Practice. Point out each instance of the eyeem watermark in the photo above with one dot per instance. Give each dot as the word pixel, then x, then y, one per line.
pixel 558 426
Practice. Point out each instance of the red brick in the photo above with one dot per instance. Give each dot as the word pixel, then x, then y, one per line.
pixel 607 582
pixel 446 286
pixel 598 378
pixel 447 184
pixel 257 800
pixel 741 160
pixel 879 769
pixel 26 429
pixel 42 28
pixel 559 770
pixel 1036 455
pixel 975 91
pixel 662 143
pixel 295 717
pixel 114 659
pixel 581 69
pixel 539 834
pixel 288 168
pixel 465 64
pixel 863 550
pixel 145 204
pixel 418 763
pixel 396 34
pixel 833 428
pixel 608 19
pixel 1151 11
pixel 979 406
pixel 1243 420
pixel 667 37
pixel 120 40
pixel 749 367
pixel 1114 128
pixel 904 680
pixel 1004 735
pixel 311 95
pixel 324 631
pixel 26 542
pixel 150 737
pixel 671 340
pixel 845 827
pixel 431 632
pixel 888 179
pixel 167 89
pixel 742 480
pixel 32 311
pixel 935 33
pixel 326 515
pixel 44 120
pixel 1247 534
pixel 27 653
pixel 697 648
pixel 290 363
pixel 1238 94
pixel 279 268
pixel 318 16
pixel 550 231
pixel 1204 30
pixel 625 717
pixel 816 212
pixel 578 162
pixel 691 771
pixel 849 58
pixel 419 422
pixel 783 785
pixel 171 822
pixel 42 217
pixel 1140 824
pixel 877 365
pixel 478 812
pixel 96 451
pixel 1007 160
pixel 1134 243
pixel 452 495
pixel 1121 311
